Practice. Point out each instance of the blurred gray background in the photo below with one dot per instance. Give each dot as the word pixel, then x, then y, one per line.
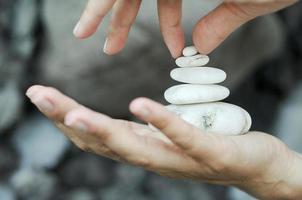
pixel 263 61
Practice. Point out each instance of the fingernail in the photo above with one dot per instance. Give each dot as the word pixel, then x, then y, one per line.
pixel 76 124
pixel 43 105
pixel 30 93
pixel 105 46
pixel 76 29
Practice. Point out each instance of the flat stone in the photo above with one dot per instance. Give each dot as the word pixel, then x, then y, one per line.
pixel 198 75
pixel 217 118
pixel 192 61
pixel 192 93
pixel 189 51
pixel 86 170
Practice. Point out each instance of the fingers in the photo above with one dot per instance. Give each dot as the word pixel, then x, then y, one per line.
pixel 124 14
pixel 55 106
pixel 170 14
pixel 214 28
pixel 182 134
pixel 51 102
pixel 118 136
pixel 98 133
pixel 92 17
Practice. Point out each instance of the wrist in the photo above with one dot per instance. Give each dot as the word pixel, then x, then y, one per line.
pixel 294 178
pixel 282 180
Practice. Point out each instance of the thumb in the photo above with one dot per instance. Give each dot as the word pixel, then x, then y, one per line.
pixel 215 27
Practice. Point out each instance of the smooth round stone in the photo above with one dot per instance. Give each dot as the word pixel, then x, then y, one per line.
pixel 189 51
pixel 192 61
pixel 198 75
pixel 217 118
pixel 192 93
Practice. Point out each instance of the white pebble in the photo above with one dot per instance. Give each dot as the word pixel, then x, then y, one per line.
pixel 198 75
pixel 217 118
pixel 192 61
pixel 189 51
pixel 192 93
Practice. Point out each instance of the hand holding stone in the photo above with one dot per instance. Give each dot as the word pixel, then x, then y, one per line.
pixel 256 162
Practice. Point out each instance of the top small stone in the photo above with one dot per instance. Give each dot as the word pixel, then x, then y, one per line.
pixel 189 51
pixel 192 61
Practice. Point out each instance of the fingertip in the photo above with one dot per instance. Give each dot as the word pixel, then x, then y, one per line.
pixel 32 90
pixel 76 30
pixel 139 108
pixel 83 35
pixel 83 30
pixel 114 45
pixel 175 42
pixel 175 53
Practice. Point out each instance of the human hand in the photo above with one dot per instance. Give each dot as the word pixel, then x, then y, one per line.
pixel 256 162
pixel 208 33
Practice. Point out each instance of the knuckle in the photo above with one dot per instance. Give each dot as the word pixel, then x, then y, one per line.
pixel 188 142
pixel 127 124
pixel 238 12
pixel 164 124
pixel 140 161
pixel 102 133
pixel 104 136
pixel 220 166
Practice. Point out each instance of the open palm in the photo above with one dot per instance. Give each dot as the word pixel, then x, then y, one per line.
pixel 177 149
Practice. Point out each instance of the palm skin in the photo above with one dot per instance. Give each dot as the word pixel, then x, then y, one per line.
pixel 177 150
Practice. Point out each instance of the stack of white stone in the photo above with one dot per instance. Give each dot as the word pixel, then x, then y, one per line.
pixel 196 101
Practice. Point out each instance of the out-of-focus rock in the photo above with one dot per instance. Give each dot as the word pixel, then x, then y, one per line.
pixel 127 185
pixel 86 170
pixel 39 143
pixel 17 41
pixel 130 176
pixel 10 105
pixel 8 161
pixel 80 194
pixel 288 125
pixel 24 22
pixel 6 193
pixel 32 184
pixel 119 192
pixel 6 8
pixel 162 188
pixel 236 194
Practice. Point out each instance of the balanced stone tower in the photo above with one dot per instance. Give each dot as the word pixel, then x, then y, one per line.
pixel 197 100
